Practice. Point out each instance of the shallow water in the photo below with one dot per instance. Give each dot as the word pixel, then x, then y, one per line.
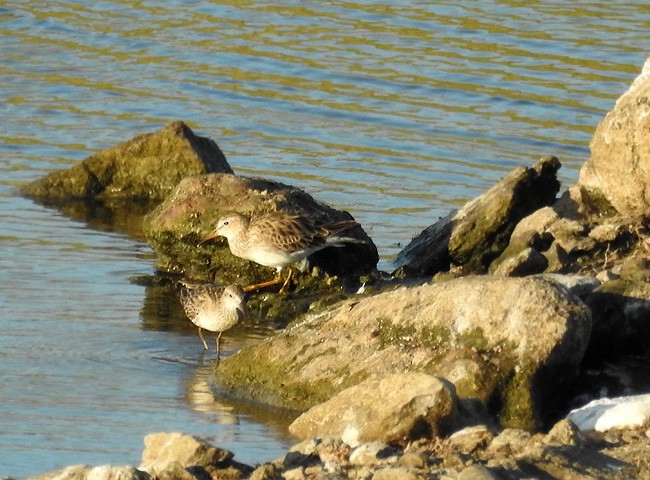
pixel 395 113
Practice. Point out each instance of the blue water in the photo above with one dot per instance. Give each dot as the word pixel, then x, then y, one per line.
pixel 396 113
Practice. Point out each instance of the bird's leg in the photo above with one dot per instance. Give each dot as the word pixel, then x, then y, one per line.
pixel 258 286
pixel 203 339
pixel 287 281
pixel 219 345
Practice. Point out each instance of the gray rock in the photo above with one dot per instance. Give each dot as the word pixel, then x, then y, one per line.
pixel 372 453
pixel 191 211
pixel 477 472
pixel 579 285
pixel 164 449
pixel 417 460
pixel 526 262
pixel 103 472
pixel 619 166
pixel 470 439
pixel 481 230
pixel 576 237
pixel 509 442
pixel 267 471
pixel 564 432
pixel 388 409
pixel 528 334
pixel 396 473
pixel 147 167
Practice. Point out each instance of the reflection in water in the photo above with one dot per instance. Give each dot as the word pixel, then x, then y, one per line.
pixel 203 396
pixel 106 215
pixel 199 394
pixel 161 309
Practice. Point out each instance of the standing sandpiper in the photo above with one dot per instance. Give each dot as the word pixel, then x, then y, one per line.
pixel 213 308
pixel 279 239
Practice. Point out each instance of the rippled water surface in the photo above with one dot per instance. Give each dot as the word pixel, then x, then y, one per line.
pixel 396 113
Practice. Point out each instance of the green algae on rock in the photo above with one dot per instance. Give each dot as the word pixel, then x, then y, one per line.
pixel 528 330
pixel 176 227
pixel 481 230
pixel 147 167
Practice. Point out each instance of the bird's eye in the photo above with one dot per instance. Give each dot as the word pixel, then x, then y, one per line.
pixel 226 222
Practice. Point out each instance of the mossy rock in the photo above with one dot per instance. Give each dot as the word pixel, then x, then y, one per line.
pixel 481 230
pixel 176 227
pixel 522 340
pixel 147 167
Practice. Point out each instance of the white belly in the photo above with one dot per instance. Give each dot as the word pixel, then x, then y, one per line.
pixel 216 323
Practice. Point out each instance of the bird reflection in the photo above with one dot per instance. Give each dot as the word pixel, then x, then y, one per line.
pixel 199 393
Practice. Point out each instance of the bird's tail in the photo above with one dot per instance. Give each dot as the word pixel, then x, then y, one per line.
pixel 336 241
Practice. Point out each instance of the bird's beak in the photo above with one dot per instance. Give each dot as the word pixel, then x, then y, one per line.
pixel 209 236
pixel 243 309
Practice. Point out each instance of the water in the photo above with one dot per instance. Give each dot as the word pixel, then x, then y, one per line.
pixel 396 113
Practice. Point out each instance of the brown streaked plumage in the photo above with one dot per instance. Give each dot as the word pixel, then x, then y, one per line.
pixel 279 239
pixel 213 308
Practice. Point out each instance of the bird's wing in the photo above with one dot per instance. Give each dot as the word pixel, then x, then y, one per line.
pixel 334 228
pixel 290 233
pixel 193 297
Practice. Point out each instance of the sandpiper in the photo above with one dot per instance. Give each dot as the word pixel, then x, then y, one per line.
pixel 279 239
pixel 213 308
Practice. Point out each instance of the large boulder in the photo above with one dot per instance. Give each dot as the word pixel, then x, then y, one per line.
pixel 175 228
pixel 147 168
pixel 481 230
pixel 619 167
pixel 514 343
pixel 388 409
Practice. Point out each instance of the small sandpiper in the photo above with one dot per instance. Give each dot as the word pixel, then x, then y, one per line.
pixel 279 239
pixel 213 308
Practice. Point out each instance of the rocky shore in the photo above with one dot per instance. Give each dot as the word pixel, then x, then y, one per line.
pixel 477 357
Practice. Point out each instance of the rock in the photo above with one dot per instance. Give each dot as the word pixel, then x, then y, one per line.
pixel 635 269
pixel 567 462
pixel 477 472
pixel 527 334
pixel 558 259
pixel 481 230
pixel 267 471
pixel 543 231
pixel 579 285
pixel 396 473
pixel 176 471
pixel 371 453
pixel 147 167
pixel 613 413
pixel 471 439
pixel 389 409
pixel 509 442
pixel 294 474
pixel 619 167
pixel 607 276
pixel 564 432
pixel 526 262
pixel 328 450
pixel 103 472
pixel 164 449
pixel 620 320
pixel 176 227
pixel 418 460
pixel 577 242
